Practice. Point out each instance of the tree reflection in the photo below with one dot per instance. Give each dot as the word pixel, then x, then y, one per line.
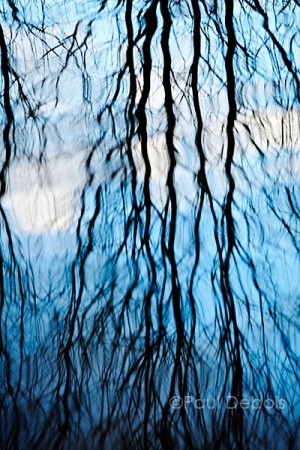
pixel 149 252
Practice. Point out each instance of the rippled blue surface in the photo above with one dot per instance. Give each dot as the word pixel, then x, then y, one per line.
pixel 149 220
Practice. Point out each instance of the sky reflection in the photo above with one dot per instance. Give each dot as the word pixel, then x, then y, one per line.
pixel 149 221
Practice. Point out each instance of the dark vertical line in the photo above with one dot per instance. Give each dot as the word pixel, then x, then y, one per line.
pixel 202 182
pixel 5 69
pixel 167 23
pixel 132 98
pixel 150 29
pixel 176 291
pixel 237 372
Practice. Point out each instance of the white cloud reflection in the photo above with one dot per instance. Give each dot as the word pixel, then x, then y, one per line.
pixel 46 198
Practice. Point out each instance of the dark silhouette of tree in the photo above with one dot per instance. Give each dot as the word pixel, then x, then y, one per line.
pixel 149 220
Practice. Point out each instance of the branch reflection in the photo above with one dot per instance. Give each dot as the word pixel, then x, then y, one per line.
pixel 149 220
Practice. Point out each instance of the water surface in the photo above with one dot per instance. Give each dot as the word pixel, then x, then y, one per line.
pixel 149 220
